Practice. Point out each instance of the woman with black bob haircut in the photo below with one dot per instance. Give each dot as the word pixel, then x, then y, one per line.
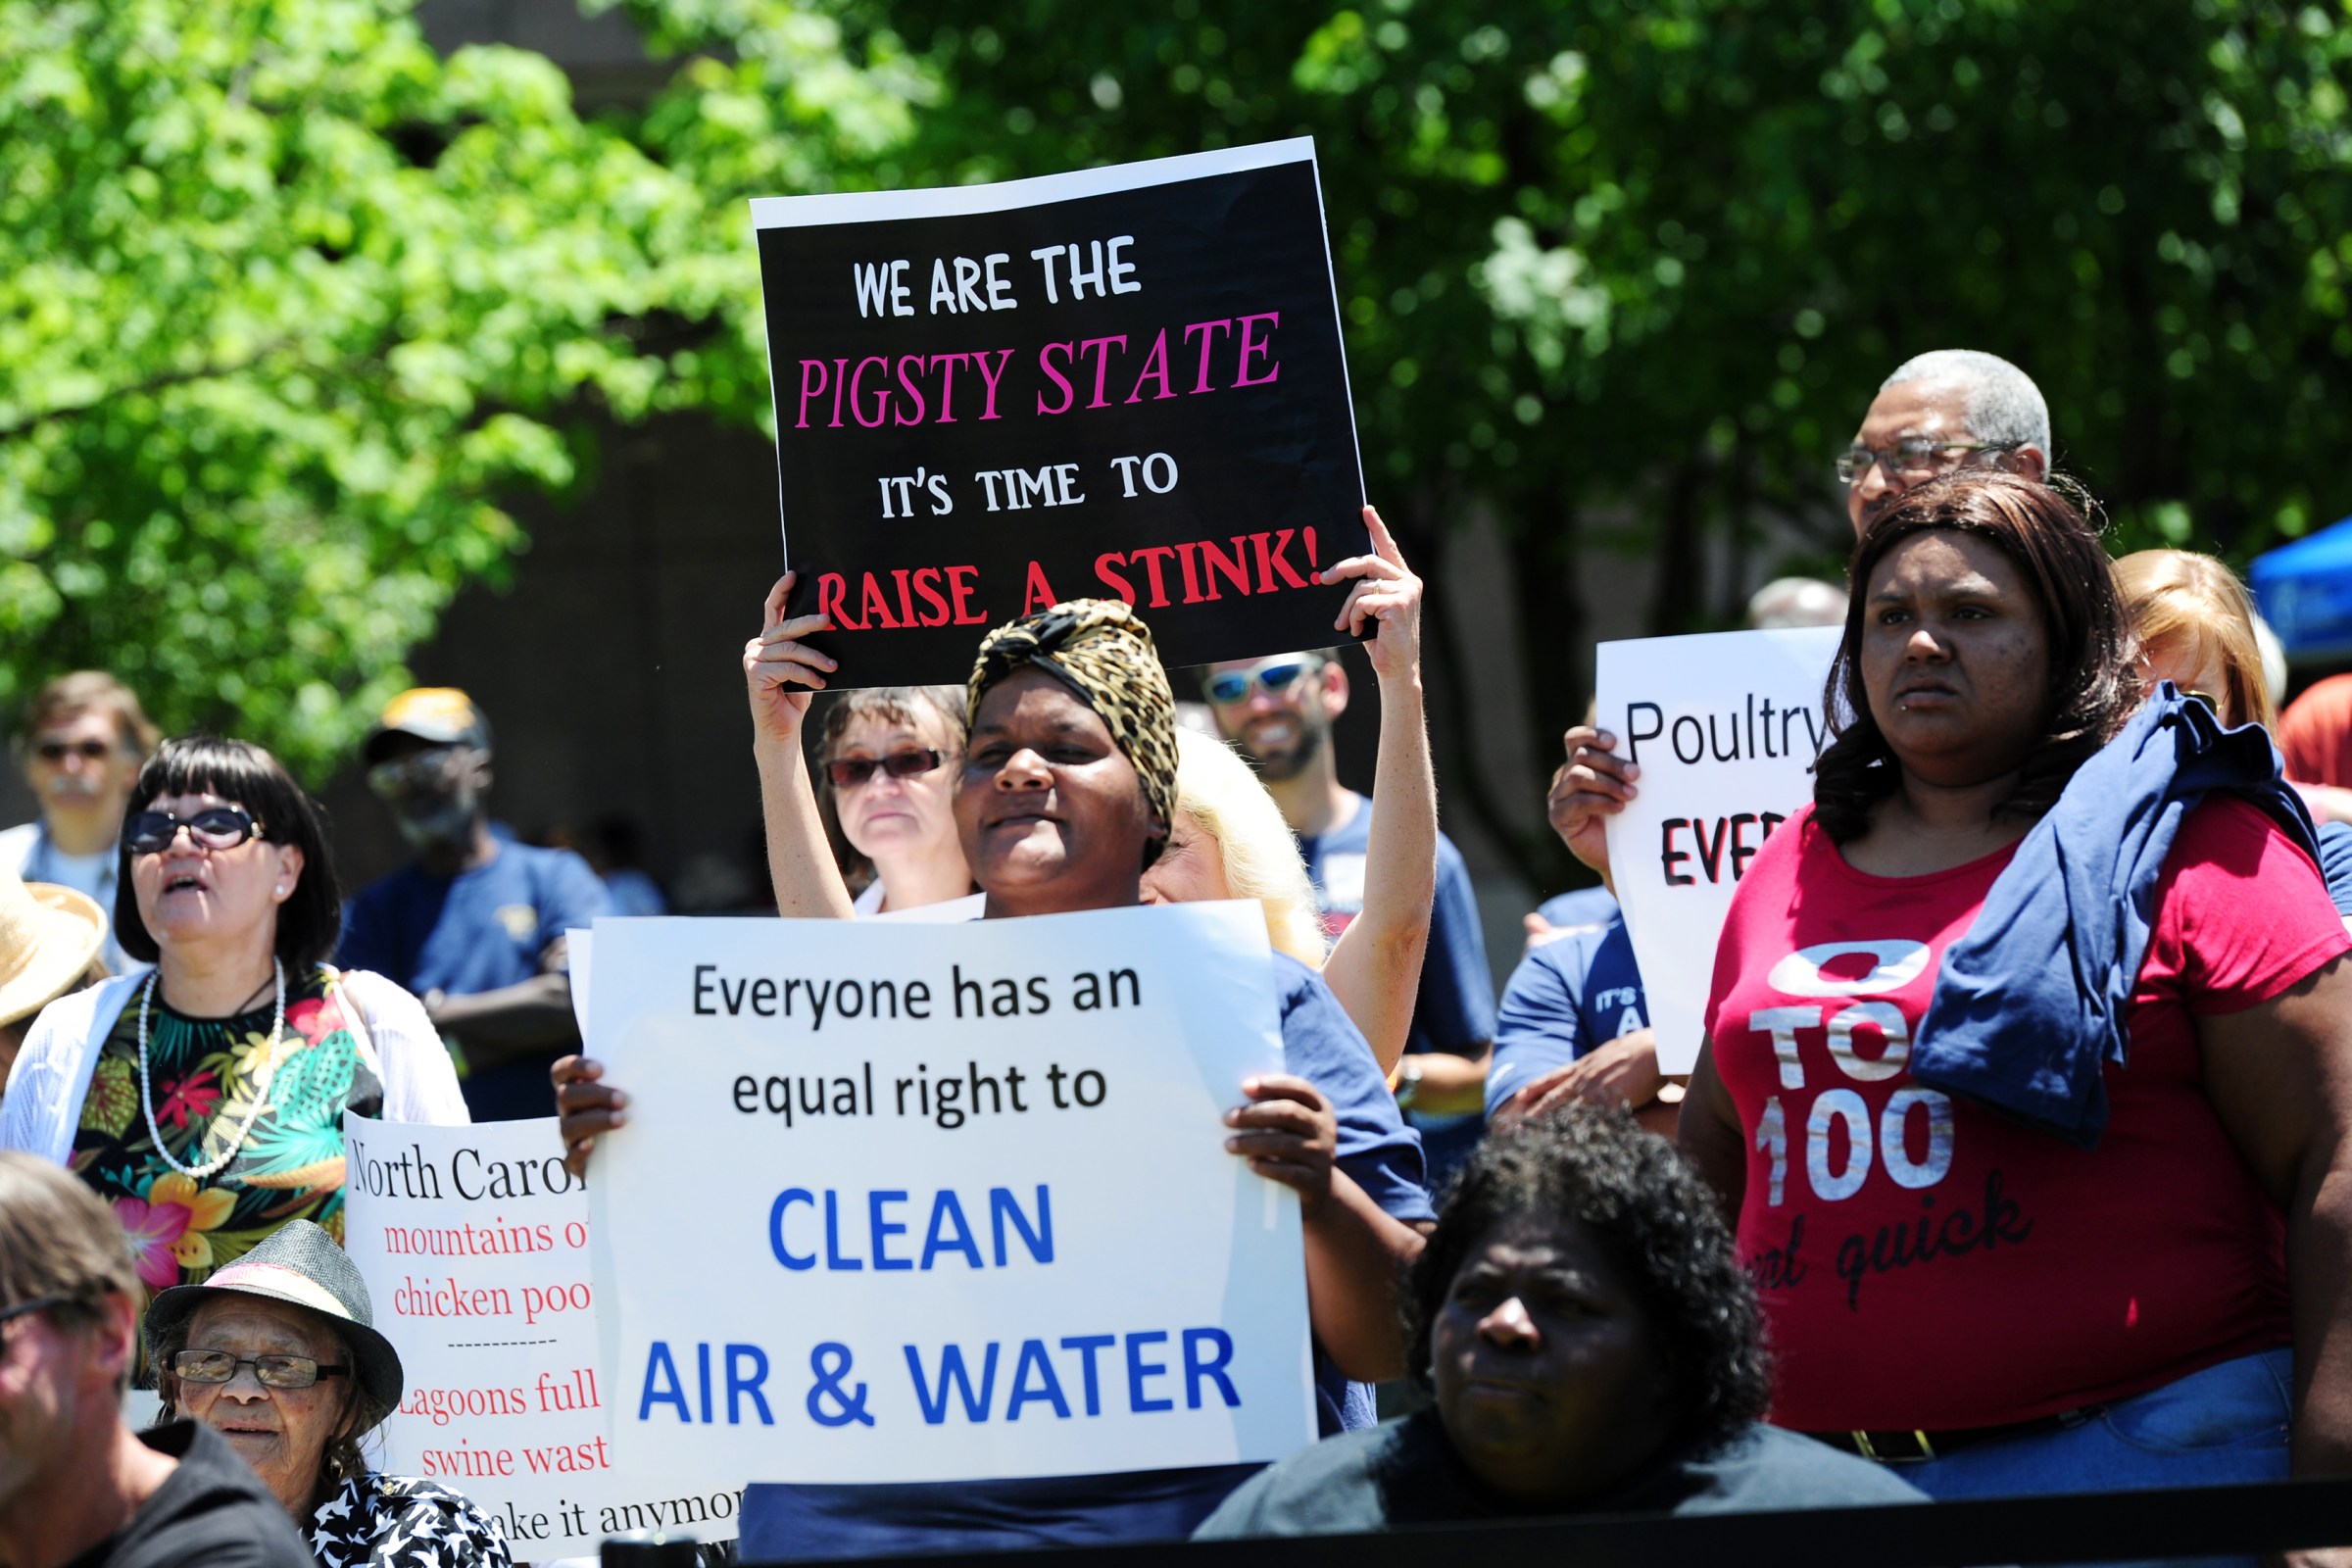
pixel 1589 1345
pixel 204 1097
pixel 310 918
pixel 2028 1045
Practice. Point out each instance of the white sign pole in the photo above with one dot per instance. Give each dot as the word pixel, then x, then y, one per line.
pixel 1725 728
pixel 939 1203
pixel 473 1242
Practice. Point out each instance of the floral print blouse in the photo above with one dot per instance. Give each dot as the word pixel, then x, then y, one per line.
pixel 205 1073
pixel 381 1521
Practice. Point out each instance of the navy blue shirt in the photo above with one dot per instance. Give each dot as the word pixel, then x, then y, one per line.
pixel 1568 996
pixel 1455 1010
pixel 1322 1045
pixel 481 930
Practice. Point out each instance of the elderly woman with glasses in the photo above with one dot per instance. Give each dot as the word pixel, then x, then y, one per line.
pixel 204 1099
pixel 278 1353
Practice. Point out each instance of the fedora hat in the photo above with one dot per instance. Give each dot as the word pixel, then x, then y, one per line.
pixel 300 1264
pixel 48 936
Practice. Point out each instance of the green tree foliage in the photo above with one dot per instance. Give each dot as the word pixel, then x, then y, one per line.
pixel 1649 259
pixel 288 304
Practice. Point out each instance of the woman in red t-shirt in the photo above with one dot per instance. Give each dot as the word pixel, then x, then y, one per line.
pixel 1944 1285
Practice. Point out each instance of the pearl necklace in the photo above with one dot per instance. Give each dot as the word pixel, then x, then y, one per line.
pixel 260 1091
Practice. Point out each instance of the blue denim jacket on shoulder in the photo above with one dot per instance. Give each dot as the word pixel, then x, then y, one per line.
pixel 2029 1004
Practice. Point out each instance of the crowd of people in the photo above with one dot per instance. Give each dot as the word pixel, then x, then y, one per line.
pixel 2017 1158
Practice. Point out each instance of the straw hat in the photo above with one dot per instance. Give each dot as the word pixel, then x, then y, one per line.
pixel 298 1264
pixel 48 936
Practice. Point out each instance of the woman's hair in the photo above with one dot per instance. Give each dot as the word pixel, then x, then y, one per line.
pixel 1645 1205
pixel 1217 789
pixel 366 1412
pixel 309 919
pixel 2179 599
pixel 2091 688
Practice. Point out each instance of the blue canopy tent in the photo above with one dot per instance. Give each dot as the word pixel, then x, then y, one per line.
pixel 2304 590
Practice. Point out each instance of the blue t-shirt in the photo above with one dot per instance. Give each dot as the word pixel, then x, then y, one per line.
pixel 1568 996
pixel 1455 1010
pixel 481 930
pixel 1322 1045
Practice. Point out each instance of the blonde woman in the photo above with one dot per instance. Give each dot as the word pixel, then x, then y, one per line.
pixel 2195 624
pixel 1229 840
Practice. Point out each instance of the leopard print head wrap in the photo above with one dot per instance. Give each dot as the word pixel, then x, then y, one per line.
pixel 1105 654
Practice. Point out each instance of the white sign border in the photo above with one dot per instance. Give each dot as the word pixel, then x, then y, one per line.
pixel 1039 190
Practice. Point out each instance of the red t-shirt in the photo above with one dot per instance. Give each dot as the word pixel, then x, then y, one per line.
pixel 1933 1265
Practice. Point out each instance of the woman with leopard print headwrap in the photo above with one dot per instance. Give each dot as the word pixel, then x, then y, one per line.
pixel 1066 794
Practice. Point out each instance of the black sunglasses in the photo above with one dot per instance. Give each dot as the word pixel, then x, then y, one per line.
pixel 87 751
pixel 216 827
pixel 848 772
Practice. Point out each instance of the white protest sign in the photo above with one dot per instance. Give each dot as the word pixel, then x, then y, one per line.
pixel 1725 728
pixel 938 1203
pixel 473 1242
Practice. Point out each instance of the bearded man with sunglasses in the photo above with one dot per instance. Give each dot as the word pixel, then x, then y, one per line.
pixel 475 924
pixel 84 737
pixel 1280 711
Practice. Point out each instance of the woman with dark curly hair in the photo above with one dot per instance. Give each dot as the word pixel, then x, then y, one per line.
pixel 1590 1345
pixel 2029 1071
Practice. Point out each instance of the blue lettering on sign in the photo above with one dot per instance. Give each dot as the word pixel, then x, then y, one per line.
pixel 1049 1387
pixel 741 1387
pixel 1195 1367
pixel 1139 1369
pixel 951 1376
pixel 946 1208
pixel 659 1367
pixel 1036 1380
pixel 948 1233
pixel 955 1379
pixel 775 1228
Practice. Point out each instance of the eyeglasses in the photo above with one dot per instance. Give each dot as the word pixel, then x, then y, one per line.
pixel 416 770
pixel 1231 686
pixel 848 772
pixel 216 827
pixel 91 751
pixel 39 1303
pixel 271 1371
pixel 1912 454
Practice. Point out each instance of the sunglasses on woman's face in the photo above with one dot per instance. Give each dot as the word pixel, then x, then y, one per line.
pixel 216 827
pixel 271 1371
pixel 848 772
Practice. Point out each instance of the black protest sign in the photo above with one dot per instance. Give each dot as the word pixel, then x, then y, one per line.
pixel 1122 382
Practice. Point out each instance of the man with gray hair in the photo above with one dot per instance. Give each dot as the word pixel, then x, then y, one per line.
pixel 1938 412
